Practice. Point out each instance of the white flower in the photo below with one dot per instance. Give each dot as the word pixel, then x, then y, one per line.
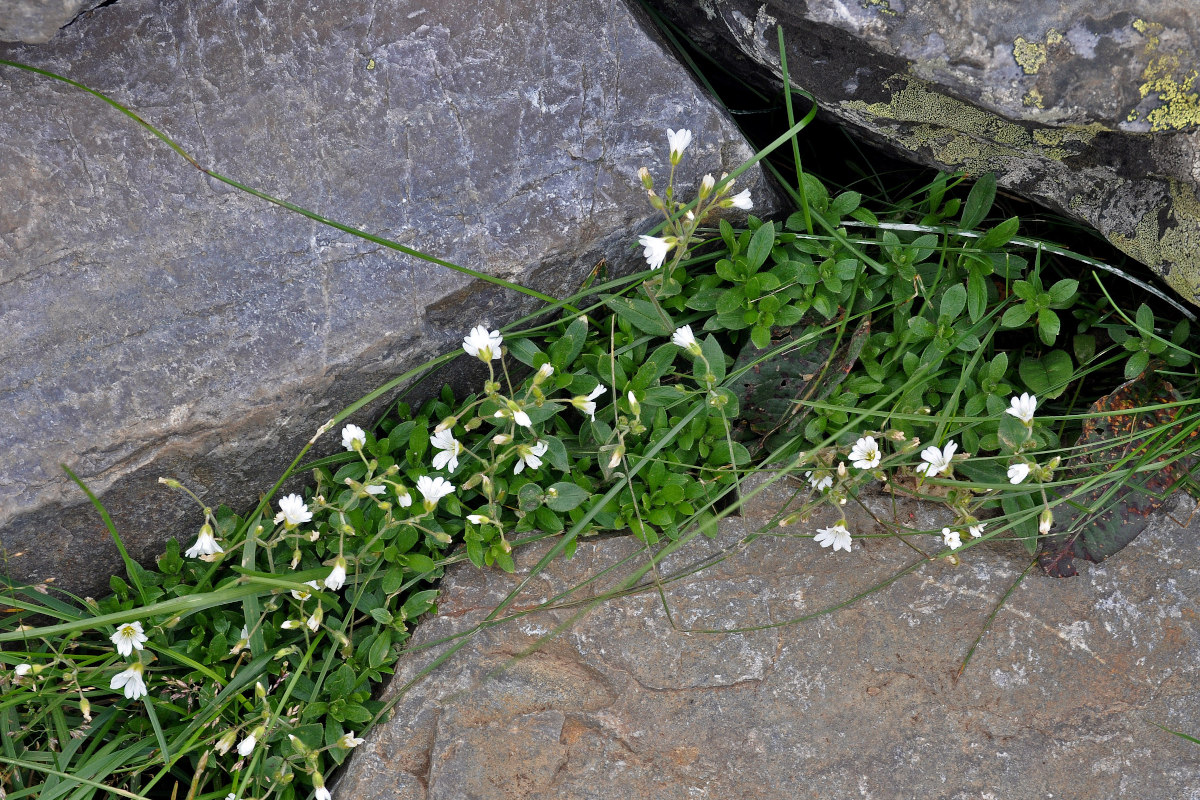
pixel 656 250
pixel 706 186
pixel 403 496
pixel 1023 407
pixel 483 345
pixel 129 637
pixel 741 200
pixel 375 489
pixel 530 456
pixel 349 741
pixel 289 624
pixel 936 462
pixel 450 448
pixel 478 519
pixel 337 578
pixel 131 681
pixel 820 480
pixel 353 437
pixel 321 793
pixel 225 742
pixel 977 530
pixel 206 543
pixel 588 404
pixel 679 140
pixel 1018 472
pixel 246 746
pixel 300 594
pixel 951 539
pixel 837 537
pixel 683 337
pixel 314 621
pixel 293 511
pixel 433 489
pixel 865 453
pixel 231 796
pixel 501 439
pixel 1045 521
pixel 23 669
pixel 513 411
pixel 544 372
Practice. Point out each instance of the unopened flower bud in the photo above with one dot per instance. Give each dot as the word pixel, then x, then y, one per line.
pixel 473 423
pixel 170 483
pixel 501 439
pixel 894 435
pixel 298 745
pixel 841 469
pixel 225 742
pixel 295 558
pixel 260 691
pixel 85 708
pixel 706 186
pixel 1045 521
pixel 634 405
pixel 544 372
pixel 446 424
pixel 617 455
pixel 644 177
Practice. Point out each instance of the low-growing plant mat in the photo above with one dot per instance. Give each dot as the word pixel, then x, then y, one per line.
pixel 747 690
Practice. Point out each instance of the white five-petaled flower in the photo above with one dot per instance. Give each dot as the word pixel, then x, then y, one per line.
pixel 865 453
pixel 1018 472
pixel 337 577
pixel 349 741
pixel 450 448
pixel 836 537
pixel 1023 407
pixel 656 249
pixel 131 681
pixel 483 345
pixel 819 480
pixel 246 746
pixel 293 511
pixel 530 456
pixel 301 594
pixel 951 538
pixel 588 404
pixel 433 489
pixel 679 140
pixel 129 637
pixel 206 543
pixel 977 529
pixel 935 461
pixel 353 437
pixel 741 200
pixel 683 337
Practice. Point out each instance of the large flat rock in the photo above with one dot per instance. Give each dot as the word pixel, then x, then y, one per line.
pixel 1089 106
pixel 159 323
pixel 629 701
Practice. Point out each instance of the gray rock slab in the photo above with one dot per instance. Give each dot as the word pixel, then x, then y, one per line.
pixel 736 687
pixel 1089 106
pixel 36 21
pixel 155 322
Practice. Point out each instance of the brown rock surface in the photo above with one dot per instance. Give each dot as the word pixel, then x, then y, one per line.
pixel 629 702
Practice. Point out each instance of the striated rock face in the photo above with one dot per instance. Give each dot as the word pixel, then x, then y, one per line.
pixel 629 701
pixel 36 21
pixel 1090 107
pixel 160 323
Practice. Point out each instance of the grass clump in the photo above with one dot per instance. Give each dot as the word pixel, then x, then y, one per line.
pixel 923 348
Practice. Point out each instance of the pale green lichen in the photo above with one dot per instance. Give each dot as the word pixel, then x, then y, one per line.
pixel 1177 246
pixel 1033 99
pixel 884 7
pixel 1173 85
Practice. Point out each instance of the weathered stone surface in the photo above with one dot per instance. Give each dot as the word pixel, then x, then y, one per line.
pixel 862 702
pixel 36 21
pixel 156 322
pixel 1091 107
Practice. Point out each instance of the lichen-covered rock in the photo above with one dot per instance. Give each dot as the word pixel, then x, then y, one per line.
pixel 36 21
pixel 1090 107
pixel 739 689
pixel 159 323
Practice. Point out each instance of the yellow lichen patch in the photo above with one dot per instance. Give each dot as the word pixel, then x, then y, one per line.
pixel 882 6
pixel 1178 101
pixel 1033 99
pixel 1030 56
pixel 1048 137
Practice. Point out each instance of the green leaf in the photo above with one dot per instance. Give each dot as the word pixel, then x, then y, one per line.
pixel 1145 318
pixel 1084 345
pixel 921 328
pixel 1048 325
pixel 1047 376
pixel 380 652
pixel 976 296
pixel 1026 530
pixel 418 603
pixel 1062 292
pixel 642 315
pixel 392 580
pixel 524 350
pixel 564 496
pixel 420 563
pixel 566 348
pixel 1015 317
pixel 954 300
pixel 716 358
pixel 844 204
pixel 760 245
pixel 530 497
pixel 1136 364
pixel 979 201
pixel 1000 235
pixel 761 336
